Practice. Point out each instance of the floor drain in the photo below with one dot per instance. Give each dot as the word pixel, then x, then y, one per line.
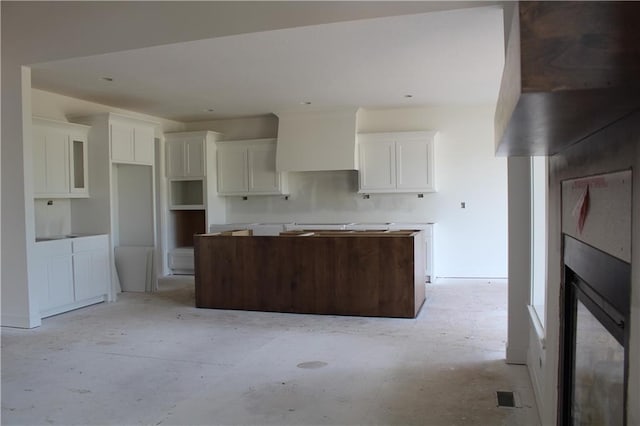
pixel 506 399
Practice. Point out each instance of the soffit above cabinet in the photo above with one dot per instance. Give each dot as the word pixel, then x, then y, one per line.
pixel 317 140
pixel 571 69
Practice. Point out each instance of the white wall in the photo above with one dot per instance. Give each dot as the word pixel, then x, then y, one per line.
pixel 53 219
pixel 239 128
pixel 469 242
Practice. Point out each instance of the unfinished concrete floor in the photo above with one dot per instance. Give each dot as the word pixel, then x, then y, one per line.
pixel 154 359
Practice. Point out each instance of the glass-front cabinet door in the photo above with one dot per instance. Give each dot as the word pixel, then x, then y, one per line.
pixel 78 166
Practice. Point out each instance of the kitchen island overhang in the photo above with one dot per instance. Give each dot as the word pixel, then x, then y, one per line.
pixel 360 273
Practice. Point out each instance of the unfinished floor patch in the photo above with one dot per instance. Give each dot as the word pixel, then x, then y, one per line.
pixel 218 367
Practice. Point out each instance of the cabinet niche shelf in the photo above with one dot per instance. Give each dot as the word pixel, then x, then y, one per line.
pixel 187 194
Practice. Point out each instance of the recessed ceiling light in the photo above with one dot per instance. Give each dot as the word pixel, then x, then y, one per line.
pixel 107 78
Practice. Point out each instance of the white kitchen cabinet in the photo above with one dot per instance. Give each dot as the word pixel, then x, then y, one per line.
pixel 248 168
pixel 378 165
pixel 71 273
pixel 90 267
pixel 132 142
pixel 54 274
pixel 185 155
pixel 232 169
pixel 396 162
pixel 59 159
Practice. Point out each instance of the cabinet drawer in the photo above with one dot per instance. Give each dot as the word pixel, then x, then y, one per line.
pixel 53 248
pixel 98 242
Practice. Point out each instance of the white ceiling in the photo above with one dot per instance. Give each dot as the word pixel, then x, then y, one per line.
pixel 450 57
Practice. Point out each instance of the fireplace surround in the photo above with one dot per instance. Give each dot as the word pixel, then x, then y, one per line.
pixel 594 336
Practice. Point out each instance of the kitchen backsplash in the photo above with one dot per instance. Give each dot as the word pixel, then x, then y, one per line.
pixel 331 197
pixel 54 218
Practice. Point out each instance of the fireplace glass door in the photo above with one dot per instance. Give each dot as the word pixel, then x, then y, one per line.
pixel 595 350
pixel 598 376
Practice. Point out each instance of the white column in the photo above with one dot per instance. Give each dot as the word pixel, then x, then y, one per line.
pixel 19 308
pixel 519 207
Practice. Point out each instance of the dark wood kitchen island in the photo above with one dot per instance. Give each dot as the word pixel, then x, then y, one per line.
pixel 364 273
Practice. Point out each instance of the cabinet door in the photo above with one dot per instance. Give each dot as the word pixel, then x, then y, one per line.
pixel 232 170
pixel 41 278
pixel 175 160
pixel 60 280
pixel 194 158
pixel 143 145
pixel 90 267
pixel 121 142
pixel 413 162
pixel 90 274
pixel 263 177
pixel 377 165
pixel 57 162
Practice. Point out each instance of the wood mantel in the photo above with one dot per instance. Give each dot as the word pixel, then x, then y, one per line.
pixel 336 273
pixel 571 68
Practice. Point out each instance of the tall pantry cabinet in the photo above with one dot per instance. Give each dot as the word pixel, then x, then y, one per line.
pixel 192 193
pixel 122 202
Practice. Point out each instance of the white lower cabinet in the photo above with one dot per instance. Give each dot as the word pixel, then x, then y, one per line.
pixel 72 273
pixel 54 274
pixel 90 267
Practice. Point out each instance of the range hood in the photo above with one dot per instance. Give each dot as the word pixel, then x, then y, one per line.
pixel 317 140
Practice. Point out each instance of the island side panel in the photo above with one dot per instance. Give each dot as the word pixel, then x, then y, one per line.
pixel 369 276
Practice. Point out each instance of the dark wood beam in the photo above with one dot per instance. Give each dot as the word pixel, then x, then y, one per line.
pixel 571 68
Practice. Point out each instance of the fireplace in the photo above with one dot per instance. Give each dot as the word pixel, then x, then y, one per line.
pixel 594 350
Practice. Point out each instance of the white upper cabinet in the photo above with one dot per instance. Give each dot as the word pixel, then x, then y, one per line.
pixel 396 162
pixel 414 165
pixel 132 142
pixel 185 155
pixel 249 168
pixel 378 165
pixel 232 169
pixel 59 159
pixel 261 168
